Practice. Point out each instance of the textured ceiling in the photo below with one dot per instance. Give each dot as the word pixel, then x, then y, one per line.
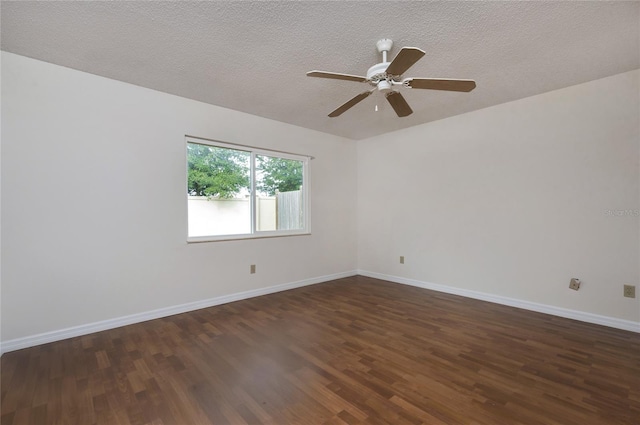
pixel 253 56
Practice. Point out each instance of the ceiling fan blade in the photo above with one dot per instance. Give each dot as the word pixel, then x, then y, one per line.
pixel 441 84
pixel 398 103
pixel 350 104
pixel 336 76
pixel 404 60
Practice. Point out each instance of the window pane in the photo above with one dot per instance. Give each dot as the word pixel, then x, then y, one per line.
pixel 279 194
pixel 218 189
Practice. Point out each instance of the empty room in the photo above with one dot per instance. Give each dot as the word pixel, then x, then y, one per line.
pixel 320 212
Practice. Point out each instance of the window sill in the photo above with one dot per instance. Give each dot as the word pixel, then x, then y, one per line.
pixel 223 238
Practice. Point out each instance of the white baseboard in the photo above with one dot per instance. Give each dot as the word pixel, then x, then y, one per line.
pixel 44 338
pixel 612 322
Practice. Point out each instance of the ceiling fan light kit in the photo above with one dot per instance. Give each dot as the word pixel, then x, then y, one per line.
pixel 384 76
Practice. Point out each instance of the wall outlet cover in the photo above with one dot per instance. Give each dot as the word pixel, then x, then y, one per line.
pixel 629 291
pixel 574 284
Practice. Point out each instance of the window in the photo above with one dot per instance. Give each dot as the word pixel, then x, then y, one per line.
pixel 238 192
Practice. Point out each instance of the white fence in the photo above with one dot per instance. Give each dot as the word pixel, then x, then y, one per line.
pixel 213 216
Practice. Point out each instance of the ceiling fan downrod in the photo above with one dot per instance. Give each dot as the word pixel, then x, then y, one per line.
pixel 384 46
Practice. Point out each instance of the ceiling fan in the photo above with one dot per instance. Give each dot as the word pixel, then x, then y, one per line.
pixel 385 76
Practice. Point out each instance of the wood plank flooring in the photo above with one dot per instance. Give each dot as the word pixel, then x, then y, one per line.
pixel 351 351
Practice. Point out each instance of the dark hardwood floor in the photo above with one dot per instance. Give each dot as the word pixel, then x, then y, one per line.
pixel 351 351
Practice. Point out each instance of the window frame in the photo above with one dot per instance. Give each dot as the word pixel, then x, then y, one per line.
pixel 254 151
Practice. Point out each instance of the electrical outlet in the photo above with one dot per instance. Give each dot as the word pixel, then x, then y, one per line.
pixel 402 259
pixel 574 284
pixel 253 269
pixel 629 291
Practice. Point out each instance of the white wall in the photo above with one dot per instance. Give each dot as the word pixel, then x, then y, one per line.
pixel 94 209
pixel 513 200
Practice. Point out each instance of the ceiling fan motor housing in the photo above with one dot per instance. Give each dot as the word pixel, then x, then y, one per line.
pixel 378 77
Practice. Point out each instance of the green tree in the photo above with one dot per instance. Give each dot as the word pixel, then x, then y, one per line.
pixel 283 175
pixel 216 171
